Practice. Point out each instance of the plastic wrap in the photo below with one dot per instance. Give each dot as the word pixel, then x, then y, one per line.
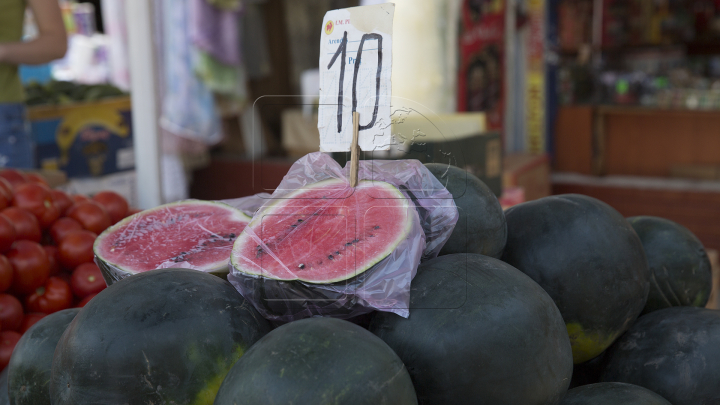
pixel 431 217
pixel 250 204
pixel 214 230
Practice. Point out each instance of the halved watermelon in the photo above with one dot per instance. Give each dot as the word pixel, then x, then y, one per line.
pixel 324 233
pixel 330 250
pixel 191 234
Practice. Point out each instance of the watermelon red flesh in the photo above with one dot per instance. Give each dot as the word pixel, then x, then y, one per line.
pixel 324 233
pixel 192 234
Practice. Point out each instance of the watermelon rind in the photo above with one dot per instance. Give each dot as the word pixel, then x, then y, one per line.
pixel 30 365
pixel 612 393
pixel 318 361
pixel 113 271
pixel 244 238
pixel 166 336
pixel 674 352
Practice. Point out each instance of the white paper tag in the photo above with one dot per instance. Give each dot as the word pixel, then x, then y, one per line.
pixel 355 70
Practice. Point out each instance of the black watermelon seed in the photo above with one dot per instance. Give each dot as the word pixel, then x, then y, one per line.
pixel 301 266
pixel 377 226
pixel 330 257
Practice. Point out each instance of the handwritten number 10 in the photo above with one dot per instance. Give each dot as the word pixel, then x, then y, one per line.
pixel 341 52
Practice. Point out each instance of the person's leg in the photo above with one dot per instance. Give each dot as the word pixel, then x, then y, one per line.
pixel 16 145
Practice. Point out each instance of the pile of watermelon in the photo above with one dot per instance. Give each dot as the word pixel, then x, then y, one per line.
pixel 555 301
pixel 46 256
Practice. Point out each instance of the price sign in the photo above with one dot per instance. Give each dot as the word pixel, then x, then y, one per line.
pixel 355 69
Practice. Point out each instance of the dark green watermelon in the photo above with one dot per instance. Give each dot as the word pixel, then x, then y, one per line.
pixel 318 361
pixel 674 352
pixel 479 332
pixel 29 368
pixel 160 337
pixel 4 397
pixel 481 227
pixel 590 261
pixel 612 393
pixel 680 272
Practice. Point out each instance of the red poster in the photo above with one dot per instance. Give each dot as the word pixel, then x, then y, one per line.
pixel 481 67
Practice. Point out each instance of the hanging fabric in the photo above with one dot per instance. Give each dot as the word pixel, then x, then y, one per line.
pixel 216 31
pixel 188 107
pixel 115 27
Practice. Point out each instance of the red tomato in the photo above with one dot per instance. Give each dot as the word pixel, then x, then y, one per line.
pixel 7 234
pixel 78 198
pixel 36 199
pixel 51 215
pixel 85 301
pixel 66 276
pixel 6 273
pixel 11 312
pixel 14 177
pixel 76 248
pixel 4 202
pixel 52 254
pixel 115 204
pixel 37 178
pixel 26 225
pixel 61 201
pixel 30 320
pixel 91 215
pixel 31 266
pixel 8 340
pixel 62 226
pixel 6 189
pixel 87 279
pixel 54 296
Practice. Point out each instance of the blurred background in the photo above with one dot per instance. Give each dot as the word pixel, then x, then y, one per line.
pixel 164 100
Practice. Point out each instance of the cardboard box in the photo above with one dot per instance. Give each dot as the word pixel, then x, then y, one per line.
pixel 300 134
pixel 530 172
pixel 84 140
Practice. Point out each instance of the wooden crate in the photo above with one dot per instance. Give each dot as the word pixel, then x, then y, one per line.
pixel 695 205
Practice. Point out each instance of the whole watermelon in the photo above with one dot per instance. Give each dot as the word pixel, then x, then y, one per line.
pixel 31 361
pixel 674 352
pixel 4 396
pixel 590 261
pixel 481 227
pixel 479 332
pixel 680 272
pixel 612 393
pixel 160 337
pixel 319 361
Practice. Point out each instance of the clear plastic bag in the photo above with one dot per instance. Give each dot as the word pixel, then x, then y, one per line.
pixel 385 286
pixel 250 204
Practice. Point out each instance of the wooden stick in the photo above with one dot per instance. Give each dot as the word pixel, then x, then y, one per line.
pixel 354 151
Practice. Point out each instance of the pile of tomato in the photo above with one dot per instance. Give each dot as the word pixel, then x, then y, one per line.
pixel 46 251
